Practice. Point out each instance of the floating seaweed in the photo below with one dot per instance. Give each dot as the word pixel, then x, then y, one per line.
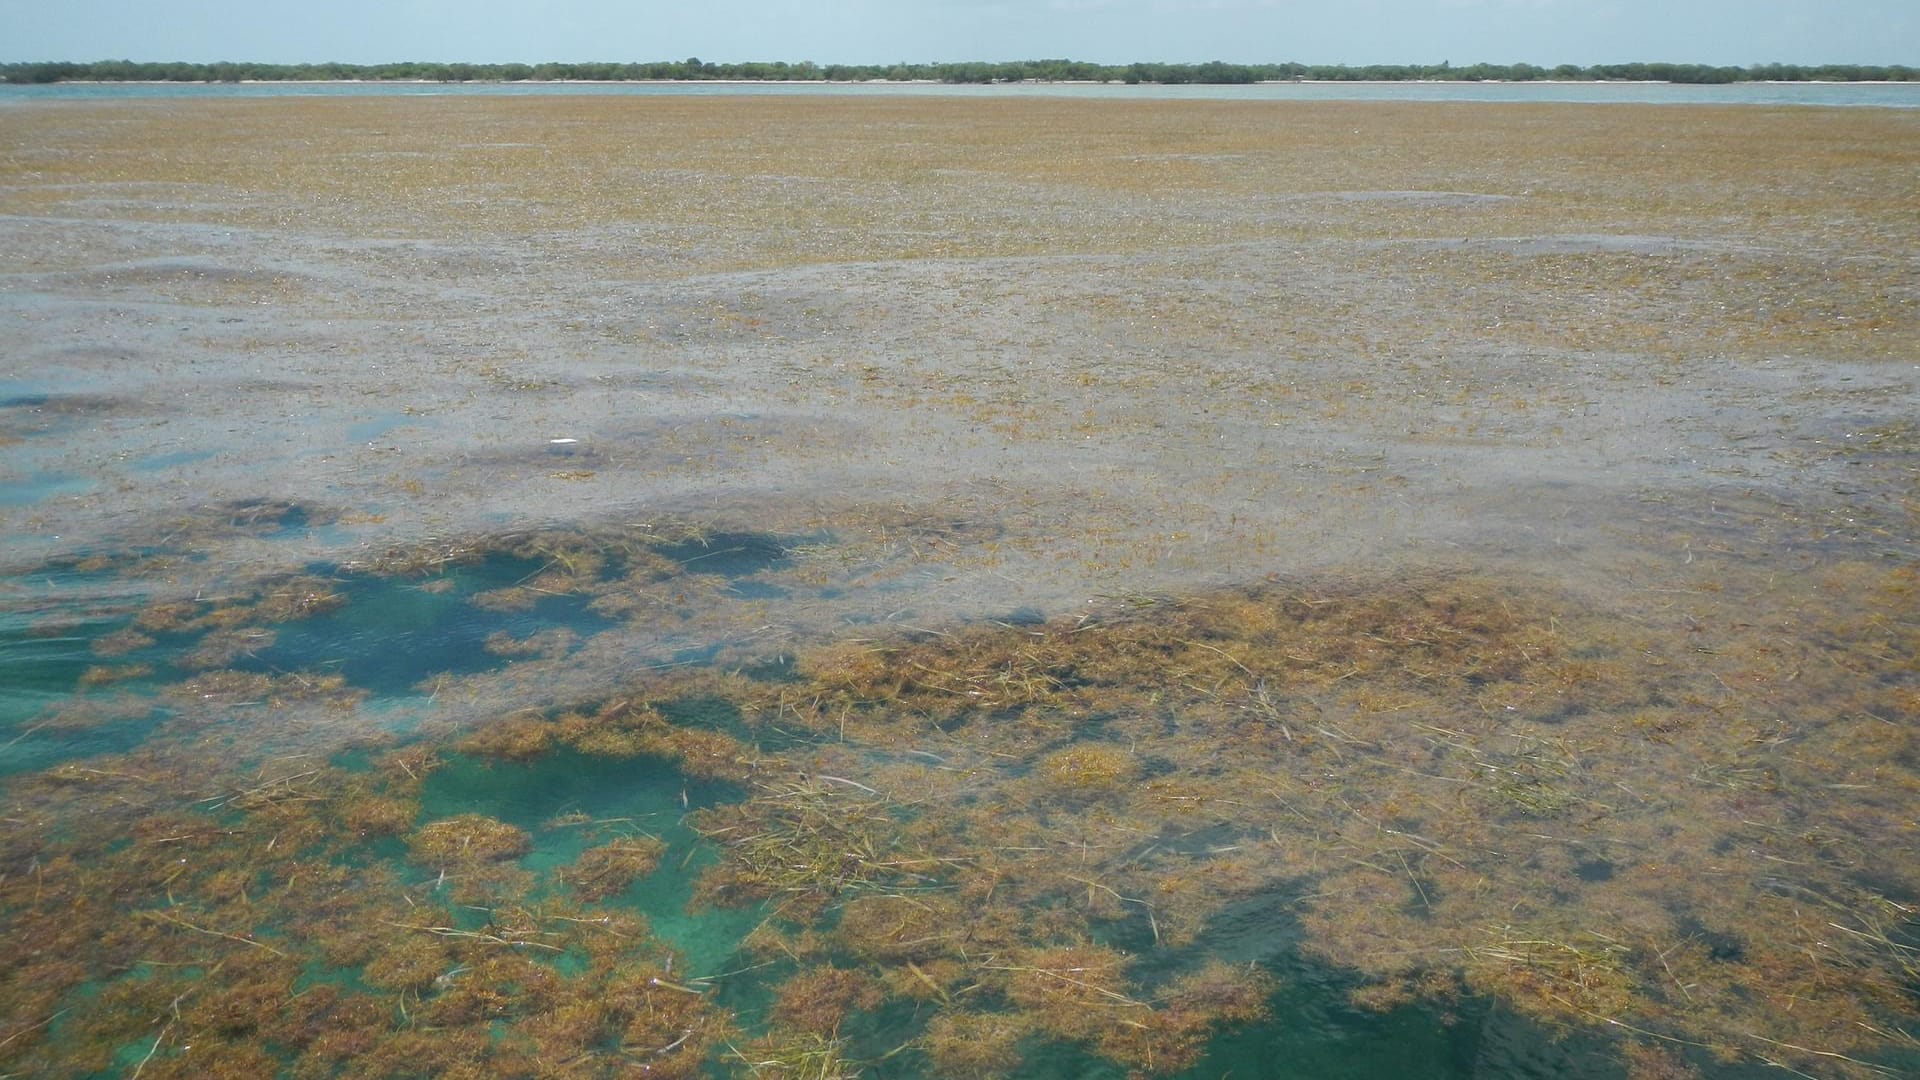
pixel 1025 833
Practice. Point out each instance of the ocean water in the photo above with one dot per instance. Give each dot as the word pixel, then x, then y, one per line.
pixel 1877 95
pixel 804 865
pixel 565 800
pixel 389 637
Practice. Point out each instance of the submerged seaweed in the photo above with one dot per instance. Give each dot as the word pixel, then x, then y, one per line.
pixel 1006 836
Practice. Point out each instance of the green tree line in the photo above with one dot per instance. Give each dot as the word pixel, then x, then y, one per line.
pixel 1213 72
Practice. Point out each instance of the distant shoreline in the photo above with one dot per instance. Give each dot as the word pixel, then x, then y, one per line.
pixel 966 72
pixel 942 82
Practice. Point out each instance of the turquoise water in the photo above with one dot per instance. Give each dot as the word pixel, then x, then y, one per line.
pixel 388 634
pixel 646 796
pixel 388 637
pixel 1315 1032
pixel 1882 95
pixel 172 460
pixel 29 473
pixel 41 673
pixel 41 486
pixel 49 622
pixel 385 637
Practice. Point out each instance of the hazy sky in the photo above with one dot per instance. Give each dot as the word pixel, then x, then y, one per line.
pixel 882 31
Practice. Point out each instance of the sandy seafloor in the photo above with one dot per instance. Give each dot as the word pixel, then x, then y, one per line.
pixel 971 359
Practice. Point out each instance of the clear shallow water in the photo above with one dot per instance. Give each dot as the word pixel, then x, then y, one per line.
pixel 388 639
pixel 649 795
pixel 1315 1033
pixel 29 469
pixel 173 460
pixel 38 486
pixel 40 672
pixel 1881 95
pixel 388 634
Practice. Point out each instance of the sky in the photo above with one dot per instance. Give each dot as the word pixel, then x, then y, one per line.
pixel 1545 32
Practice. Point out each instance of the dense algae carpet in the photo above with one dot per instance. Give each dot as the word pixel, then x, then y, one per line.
pixel 1024 847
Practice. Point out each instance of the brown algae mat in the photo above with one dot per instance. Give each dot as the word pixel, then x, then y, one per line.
pixel 1025 581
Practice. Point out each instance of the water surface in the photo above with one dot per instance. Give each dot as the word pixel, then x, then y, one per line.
pixel 1882 95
